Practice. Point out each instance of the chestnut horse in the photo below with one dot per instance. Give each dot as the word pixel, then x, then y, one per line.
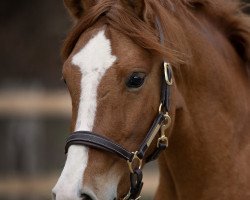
pixel 114 72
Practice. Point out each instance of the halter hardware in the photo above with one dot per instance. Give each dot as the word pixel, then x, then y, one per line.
pixel 163 138
pixel 135 159
pixel 167 122
pixel 135 163
pixel 127 197
pixel 167 71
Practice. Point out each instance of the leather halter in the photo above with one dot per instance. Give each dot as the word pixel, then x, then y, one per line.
pixel 134 159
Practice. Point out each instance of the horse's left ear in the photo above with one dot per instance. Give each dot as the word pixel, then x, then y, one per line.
pixel 137 6
pixel 77 7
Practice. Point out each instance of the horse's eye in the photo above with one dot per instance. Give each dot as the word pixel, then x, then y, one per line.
pixel 135 80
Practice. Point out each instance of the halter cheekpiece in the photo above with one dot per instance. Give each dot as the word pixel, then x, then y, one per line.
pixel 135 159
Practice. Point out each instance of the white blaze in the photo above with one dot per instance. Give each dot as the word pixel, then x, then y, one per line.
pixel 93 60
pixel 69 184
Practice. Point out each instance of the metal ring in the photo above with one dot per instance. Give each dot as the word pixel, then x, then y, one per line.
pixel 135 158
pixel 160 108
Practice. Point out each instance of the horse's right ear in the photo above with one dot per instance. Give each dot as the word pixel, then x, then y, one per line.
pixel 77 7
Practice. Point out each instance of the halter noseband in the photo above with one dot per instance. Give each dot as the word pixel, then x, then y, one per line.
pixel 134 159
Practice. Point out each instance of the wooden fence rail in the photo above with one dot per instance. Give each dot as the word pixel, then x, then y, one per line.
pixel 29 103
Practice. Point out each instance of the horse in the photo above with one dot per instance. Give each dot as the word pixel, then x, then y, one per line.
pixel 157 79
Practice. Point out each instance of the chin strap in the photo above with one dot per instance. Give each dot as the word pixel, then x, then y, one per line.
pixel 134 159
pixel 135 185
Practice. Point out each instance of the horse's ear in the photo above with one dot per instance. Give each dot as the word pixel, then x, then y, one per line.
pixel 77 7
pixel 137 6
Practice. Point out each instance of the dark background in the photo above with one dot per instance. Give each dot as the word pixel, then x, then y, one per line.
pixel 34 104
pixel 31 35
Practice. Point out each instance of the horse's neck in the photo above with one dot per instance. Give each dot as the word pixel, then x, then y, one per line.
pixel 209 146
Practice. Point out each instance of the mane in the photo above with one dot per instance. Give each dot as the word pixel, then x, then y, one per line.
pixel 226 14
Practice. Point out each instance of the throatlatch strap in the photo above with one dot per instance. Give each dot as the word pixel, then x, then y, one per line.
pixel 136 184
pixel 156 153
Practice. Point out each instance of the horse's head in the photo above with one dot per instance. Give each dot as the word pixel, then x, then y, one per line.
pixel 113 72
pixel 120 91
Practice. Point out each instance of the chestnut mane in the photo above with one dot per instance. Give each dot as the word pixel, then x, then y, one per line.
pixel 173 16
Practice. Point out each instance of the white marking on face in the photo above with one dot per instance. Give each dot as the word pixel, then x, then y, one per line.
pixel 107 185
pixel 69 184
pixel 93 60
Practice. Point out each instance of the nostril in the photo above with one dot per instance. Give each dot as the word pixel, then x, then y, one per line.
pixel 53 196
pixel 86 197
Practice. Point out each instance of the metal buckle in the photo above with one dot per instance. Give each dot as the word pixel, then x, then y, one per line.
pixel 168 68
pixel 132 164
pixel 162 139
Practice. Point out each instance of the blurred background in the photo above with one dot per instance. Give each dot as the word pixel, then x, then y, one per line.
pixel 35 107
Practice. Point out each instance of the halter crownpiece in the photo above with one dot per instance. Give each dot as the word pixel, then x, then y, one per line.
pixel 135 159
